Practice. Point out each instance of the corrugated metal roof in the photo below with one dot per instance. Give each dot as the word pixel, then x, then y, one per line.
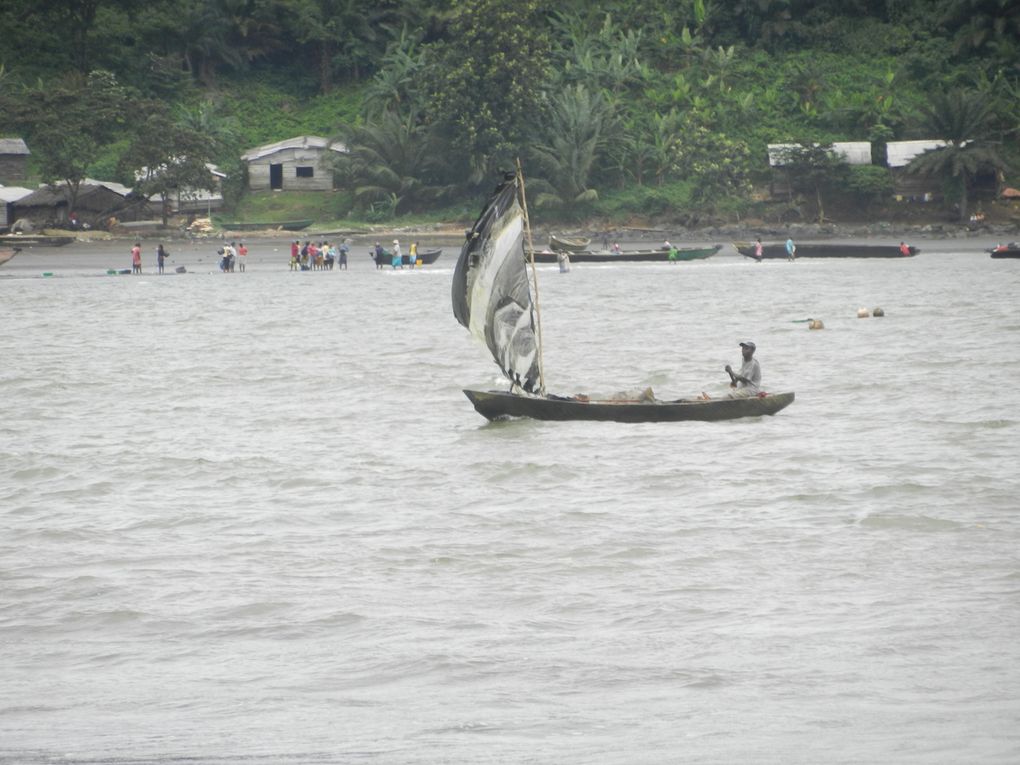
pixel 301 142
pixel 852 152
pixel 55 193
pixel 899 153
pixel 13 193
pixel 13 146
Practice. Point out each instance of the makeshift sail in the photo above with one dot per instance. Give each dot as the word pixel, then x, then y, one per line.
pixel 491 292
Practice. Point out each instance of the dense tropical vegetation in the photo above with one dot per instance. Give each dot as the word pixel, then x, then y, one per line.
pixel 640 106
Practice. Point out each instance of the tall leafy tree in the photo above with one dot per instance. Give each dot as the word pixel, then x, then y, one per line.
pixel 485 82
pixel 167 157
pixel 813 169
pixel 67 122
pixel 965 121
pixel 573 138
pixel 392 161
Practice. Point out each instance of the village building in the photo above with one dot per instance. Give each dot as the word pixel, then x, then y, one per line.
pixel 13 160
pixel 907 186
pixel 851 152
pixel 297 164
pixel 8 196
pixel 98 202
pixel 192 200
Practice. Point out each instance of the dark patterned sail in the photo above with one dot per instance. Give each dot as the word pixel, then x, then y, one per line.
pixel 491 293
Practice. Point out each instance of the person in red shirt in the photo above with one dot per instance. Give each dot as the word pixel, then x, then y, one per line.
pixel 295 251
pixel 136 259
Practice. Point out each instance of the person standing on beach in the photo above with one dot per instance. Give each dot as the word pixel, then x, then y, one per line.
pixel 136 259
pixel 791 249
pixel 398 259
pixel 413 253
pixel 344 249
pixel 161 254
pixel 295 251
pixel 242 257
pixel 759 251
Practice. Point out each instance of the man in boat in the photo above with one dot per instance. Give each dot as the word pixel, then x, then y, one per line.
pixel 746 383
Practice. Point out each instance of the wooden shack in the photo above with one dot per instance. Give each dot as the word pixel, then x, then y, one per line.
pixel 13 160
pixel 97 203
pixel 9 195
pixel 297 164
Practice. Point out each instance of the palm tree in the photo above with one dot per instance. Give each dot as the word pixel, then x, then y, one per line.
pixel 578 129
pixel 390 160
pixel 964 120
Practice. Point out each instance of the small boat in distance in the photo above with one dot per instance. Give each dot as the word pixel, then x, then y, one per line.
pixel 629 256
pixel 427 257
pixel 569 244
pixel 1011 250
pixel 827 250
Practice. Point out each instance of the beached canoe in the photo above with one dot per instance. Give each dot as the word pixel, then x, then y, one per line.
pixel 286 225
pixel 6 253
pixel 569 244
pixel 629 256
pixel 827 250
pixel 426 257
pixel 34 240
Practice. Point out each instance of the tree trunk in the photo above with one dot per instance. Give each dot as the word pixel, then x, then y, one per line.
pixel 963 201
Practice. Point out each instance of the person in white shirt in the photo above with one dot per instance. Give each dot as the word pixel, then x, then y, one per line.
pixel 747 382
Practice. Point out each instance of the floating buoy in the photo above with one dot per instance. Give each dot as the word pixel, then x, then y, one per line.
pixel 878 312
pixel 816 324
pixel 863 313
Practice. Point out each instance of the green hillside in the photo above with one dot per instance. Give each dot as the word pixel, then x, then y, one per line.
pixel 634 111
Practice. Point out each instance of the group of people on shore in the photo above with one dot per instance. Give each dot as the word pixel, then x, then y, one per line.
pixel 233 256
pixel 318 256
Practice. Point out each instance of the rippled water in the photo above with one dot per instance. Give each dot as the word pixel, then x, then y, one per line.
pixel 253 518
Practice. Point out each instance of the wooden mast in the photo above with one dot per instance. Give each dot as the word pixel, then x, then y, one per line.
pixel 534 277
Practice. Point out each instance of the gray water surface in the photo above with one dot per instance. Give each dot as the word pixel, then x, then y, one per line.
pixel 252 518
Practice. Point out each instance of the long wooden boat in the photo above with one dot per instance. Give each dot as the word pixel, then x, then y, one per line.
pixel 629 256
pixel 6 253
pixel 498 405
pixel 1010 251
pixel 569 244
pixel 35 240
pixel 427 257
pixel 828 250
pixel 285 225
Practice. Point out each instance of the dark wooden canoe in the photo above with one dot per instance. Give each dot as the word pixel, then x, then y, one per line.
pixel 498 405
pixel 1008 252
pixel 427 257
pixel 776 251
pixel 569 244
pixel 629 256
pixel 34 240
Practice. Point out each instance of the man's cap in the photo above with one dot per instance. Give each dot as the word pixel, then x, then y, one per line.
pixel 748 344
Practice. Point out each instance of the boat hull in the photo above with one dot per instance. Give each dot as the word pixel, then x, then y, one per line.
pixel 633 256
pixel 568 244
pixel 427 258
pixel 498 405
pixel 778 251
pixel 29 240
pixel 1010 253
